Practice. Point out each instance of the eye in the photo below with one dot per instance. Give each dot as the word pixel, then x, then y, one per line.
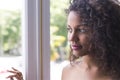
pixel 82 30
pixel 69 29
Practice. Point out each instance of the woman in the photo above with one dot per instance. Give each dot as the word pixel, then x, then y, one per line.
pixel 94 36
pixel 15 74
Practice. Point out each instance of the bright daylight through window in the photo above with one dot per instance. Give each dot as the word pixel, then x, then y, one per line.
pixel 11 54
pixel 58 43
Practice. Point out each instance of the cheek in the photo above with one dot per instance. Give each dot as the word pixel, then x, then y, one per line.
pixel 84 39
pixel 68 37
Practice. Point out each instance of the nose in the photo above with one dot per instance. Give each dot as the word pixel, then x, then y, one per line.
pixel 73 36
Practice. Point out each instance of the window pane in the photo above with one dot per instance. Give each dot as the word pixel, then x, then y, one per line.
pixel 10 36
pixel 58 38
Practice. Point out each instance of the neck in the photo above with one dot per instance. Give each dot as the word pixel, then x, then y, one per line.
pixel 87 59
pixel 91 66
pixel 84 59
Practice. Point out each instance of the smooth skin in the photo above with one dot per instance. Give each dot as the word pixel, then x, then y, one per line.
pixel 79 39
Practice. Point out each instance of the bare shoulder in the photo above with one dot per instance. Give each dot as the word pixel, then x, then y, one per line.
pixel 66 70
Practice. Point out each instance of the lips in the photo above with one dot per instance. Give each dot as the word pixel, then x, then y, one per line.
pixel 76 47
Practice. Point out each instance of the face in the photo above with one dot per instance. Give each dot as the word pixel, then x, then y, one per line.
pixel 78 35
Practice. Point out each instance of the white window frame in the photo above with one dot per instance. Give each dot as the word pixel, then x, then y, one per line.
pixel 36 24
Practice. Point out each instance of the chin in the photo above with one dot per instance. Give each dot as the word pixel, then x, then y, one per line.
pixel 79 54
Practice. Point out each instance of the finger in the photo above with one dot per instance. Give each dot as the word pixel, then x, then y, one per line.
pixel 16 73
pixel 11 78
pixel 19 73
pixel 15 76
pixel 14 69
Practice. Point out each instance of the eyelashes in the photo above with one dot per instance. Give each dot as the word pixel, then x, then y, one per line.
pixel 82 30
pixel 70 30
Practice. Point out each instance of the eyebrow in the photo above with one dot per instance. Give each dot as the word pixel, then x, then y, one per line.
pixel 81 25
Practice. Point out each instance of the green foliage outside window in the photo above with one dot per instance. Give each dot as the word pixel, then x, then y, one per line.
pixel 10 35
pixel 10 27
pixel 58 29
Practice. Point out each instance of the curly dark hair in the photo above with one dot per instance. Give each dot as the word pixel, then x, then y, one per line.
pixel 103 16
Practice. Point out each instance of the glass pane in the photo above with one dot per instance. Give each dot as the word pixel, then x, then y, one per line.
pixel 58 38
pixel 10 37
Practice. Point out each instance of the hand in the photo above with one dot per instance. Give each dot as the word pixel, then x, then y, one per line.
pixel 16 74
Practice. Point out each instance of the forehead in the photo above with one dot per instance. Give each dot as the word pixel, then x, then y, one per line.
pixel 74 20
pixel 73 17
